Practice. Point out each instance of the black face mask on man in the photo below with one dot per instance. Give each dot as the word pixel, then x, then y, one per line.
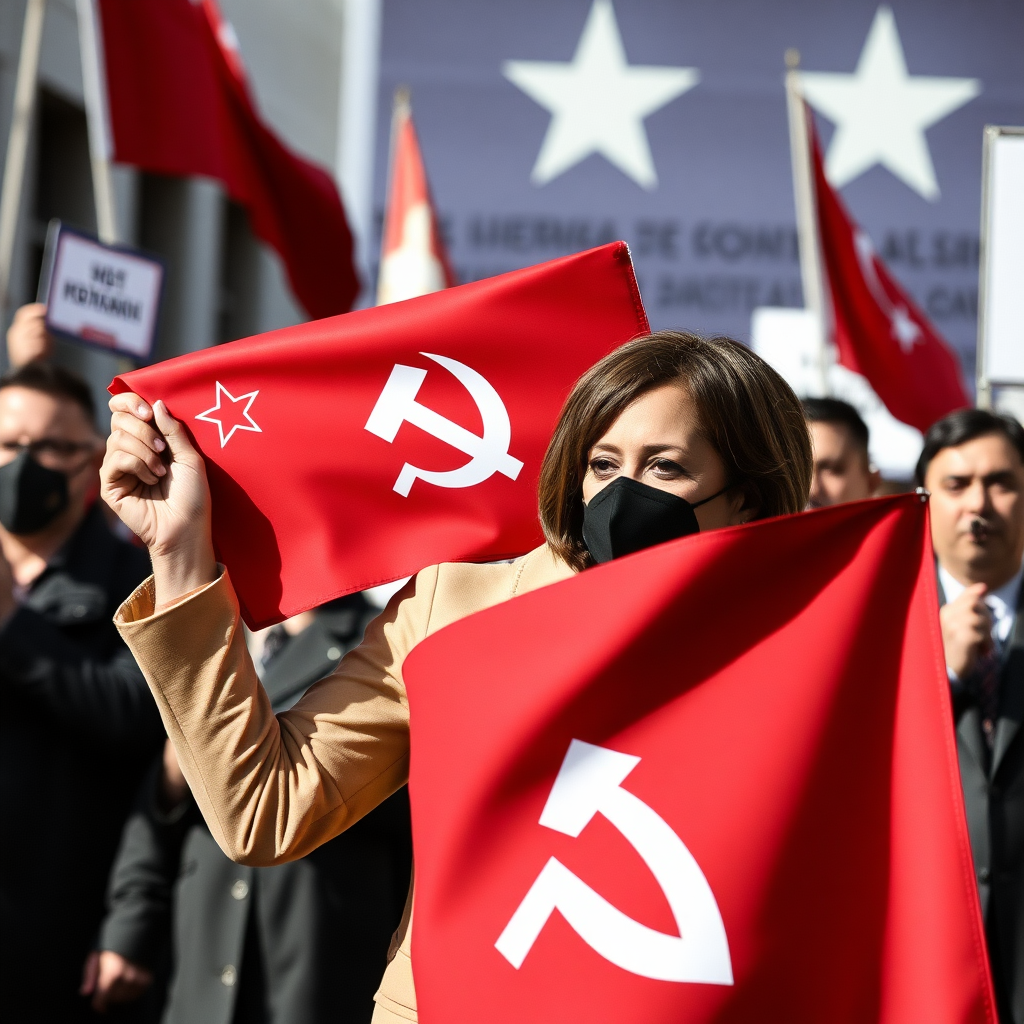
pixel 628 516
pixel 31 495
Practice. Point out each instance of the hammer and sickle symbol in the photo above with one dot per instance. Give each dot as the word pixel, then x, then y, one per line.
pixel 487 454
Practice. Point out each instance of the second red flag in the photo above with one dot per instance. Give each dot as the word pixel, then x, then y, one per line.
pixel 349 452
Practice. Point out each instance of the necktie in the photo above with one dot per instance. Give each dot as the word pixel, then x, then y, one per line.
pixel 984 684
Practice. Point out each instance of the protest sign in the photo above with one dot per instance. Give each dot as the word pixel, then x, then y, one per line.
pixel 102 295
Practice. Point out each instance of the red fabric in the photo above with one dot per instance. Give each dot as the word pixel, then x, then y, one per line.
pixel 877 327
pixel 783 687
pixel 305 509
pixel 179 104
pixel 409 188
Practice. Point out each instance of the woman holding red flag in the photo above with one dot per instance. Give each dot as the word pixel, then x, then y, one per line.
pixel 669 435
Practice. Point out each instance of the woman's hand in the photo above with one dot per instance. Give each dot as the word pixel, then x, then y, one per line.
pixel 155 481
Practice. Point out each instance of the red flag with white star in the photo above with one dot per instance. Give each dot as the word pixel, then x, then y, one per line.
pixel 877 327
pixel 350 452
pixel 714 782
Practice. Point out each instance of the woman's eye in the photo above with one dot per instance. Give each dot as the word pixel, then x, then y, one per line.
pixel 664 468
pixel 601 467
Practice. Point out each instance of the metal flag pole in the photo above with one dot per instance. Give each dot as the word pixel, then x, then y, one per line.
pixel 811 275
pixel 17 144
pixel 90 41
pixel 357 126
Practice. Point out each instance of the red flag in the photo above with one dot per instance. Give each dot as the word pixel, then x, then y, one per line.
pixel 350 452
pixel 715 781
pixel 878 329
pixel 179 104
pixel 413 258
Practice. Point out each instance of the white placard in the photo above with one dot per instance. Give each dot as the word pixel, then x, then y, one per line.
pixel 790 339
pixel 1001 335
pixel 104 295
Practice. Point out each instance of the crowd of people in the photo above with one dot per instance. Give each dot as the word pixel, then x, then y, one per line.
pixel 127 894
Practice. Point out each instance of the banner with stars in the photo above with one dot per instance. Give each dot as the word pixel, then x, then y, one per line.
pixel 552 125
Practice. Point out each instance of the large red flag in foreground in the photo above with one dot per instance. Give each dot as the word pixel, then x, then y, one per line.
pixel 715 781
pixel 350 452
pixel 878 329
pixel 179 103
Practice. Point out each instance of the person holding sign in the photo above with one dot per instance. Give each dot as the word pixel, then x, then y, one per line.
pixel 28 340
pixel 668 435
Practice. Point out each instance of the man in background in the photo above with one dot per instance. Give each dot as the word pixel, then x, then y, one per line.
pixel 298 943
pixel 78 725
pixel 973 465
pixel 842 466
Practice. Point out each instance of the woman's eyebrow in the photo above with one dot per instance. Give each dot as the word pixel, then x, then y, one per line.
pixel 650 449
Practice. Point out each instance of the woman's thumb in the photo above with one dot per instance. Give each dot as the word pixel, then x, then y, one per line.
pixel 174 433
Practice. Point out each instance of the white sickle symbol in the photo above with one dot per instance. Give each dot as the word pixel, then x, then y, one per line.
pixel 488 454
pixel 590 780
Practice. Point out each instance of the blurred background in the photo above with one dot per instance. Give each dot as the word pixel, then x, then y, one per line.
pixel 695 175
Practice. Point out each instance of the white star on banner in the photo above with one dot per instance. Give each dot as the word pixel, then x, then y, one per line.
pixel 598 102
pixel 907 333
pixel 229 413
pixel 881 112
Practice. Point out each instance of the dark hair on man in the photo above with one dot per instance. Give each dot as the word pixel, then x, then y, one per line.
pixel 840 414
pixel 51 379
pixel 962 426
pixel 746 411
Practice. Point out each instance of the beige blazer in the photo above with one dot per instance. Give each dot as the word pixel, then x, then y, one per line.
pixel 273 788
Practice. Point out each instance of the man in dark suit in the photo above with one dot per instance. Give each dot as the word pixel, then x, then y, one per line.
pixel 298 943
pixel 78 726
pixel 973 465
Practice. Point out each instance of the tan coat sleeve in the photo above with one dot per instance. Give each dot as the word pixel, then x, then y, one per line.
pixel 272 788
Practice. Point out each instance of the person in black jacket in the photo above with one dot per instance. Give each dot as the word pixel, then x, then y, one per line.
pixel 78 726
pixel 291 944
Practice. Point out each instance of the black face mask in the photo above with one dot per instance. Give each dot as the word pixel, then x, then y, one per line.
pixel 31 496
pixel 628 516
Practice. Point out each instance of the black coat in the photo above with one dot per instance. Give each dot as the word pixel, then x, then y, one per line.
pixel 78 729
pixel 993 784
pixel 297 943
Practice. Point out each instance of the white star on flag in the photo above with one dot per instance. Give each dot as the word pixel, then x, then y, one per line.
pixel 229 413
pixel 881 112
pixel 904 328
pixel 598 102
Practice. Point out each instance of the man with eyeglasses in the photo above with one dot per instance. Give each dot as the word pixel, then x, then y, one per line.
pixel 78 726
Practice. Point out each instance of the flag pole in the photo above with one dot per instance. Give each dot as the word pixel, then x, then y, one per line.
pixel 17 143
pixel 401 108
pixel 808 242
pixel 90 41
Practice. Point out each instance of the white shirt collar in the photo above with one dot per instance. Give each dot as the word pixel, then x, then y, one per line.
pixel 1002 602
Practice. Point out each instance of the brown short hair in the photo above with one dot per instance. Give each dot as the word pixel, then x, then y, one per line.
pixel 748 413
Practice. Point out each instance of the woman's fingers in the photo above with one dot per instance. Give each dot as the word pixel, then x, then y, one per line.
pixel 120 463
pixel 131 403
pixel 145 432
pixel 134 416
pixel 121 440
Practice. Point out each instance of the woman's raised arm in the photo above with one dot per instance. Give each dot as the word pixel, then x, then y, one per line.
pixel 155 481
pixel 271 789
